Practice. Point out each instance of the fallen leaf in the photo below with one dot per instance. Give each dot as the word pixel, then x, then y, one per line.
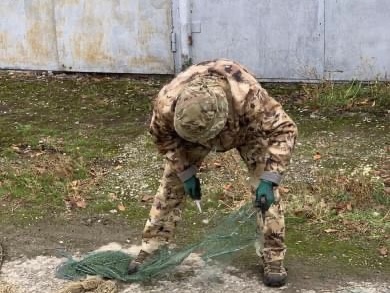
pixel 383 251
pixel 228 187
pixel 330 230
pixel 74 184
pixel 34 155
pixel 121 207
pixel 217 165
pixel 81 203
pixel 112 196
pixel 363 102
pixel 317 156
pixel 16 148
pixel 342 207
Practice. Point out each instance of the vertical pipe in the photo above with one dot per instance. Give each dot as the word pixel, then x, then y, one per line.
pixel 185 31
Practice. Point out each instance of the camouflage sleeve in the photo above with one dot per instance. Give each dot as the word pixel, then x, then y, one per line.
pixel 168 143
pixel 281 132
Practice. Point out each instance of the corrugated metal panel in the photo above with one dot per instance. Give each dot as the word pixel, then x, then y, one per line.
pixel 357 39
pixel 87 35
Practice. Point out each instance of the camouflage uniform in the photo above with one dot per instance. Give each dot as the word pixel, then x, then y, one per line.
pixel 256 126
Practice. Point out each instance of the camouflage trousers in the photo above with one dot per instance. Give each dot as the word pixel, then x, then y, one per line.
pixel 170 198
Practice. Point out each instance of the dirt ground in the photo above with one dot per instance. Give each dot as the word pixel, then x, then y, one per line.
pixel 36 250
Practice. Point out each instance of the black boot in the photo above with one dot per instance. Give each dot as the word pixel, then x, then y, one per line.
pixel 275 274
pixel 135 263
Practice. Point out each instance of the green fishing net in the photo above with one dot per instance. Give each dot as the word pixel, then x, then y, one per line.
pixel 234 232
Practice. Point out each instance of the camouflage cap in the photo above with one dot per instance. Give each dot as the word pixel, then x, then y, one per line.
pixel 201 110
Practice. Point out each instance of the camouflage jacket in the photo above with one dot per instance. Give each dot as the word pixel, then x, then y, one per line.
pixel 254 118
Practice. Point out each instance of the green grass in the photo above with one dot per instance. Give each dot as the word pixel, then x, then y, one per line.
pixel 74 109
pixel 86 120
pixel 330 96
pixel 346 252
pixel 58 133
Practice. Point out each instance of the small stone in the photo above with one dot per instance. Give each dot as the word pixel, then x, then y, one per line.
pixel 91 283
pixel 107 287
pixel 74 287
pixel 7 287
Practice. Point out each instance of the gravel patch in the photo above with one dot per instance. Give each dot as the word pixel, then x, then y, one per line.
pixel 37 275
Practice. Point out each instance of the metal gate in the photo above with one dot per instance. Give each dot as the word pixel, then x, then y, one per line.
pixel 87 35
pixel 280 39
pixel 357 43
pixel 277 39
pixel 288 40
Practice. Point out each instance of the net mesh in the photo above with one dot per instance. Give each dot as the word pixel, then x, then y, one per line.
pixel 234 232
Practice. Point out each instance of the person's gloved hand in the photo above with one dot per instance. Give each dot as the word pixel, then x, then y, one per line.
pixel 264 195
pixel 192 188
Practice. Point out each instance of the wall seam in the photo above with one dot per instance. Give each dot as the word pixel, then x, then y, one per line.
pixel 53 3
pixel 324 49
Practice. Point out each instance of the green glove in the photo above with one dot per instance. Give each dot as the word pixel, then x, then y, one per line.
pixel 192 188
pixel 264 195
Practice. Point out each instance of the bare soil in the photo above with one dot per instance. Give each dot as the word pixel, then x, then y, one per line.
pixel 38 247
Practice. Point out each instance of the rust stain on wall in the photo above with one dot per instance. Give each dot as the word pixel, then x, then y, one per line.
pixel 6 54
pixel 40 39
pixel 36 41
pixel 3 39
pixel 90 49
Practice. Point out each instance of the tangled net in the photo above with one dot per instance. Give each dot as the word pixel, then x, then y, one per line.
pixel 234 233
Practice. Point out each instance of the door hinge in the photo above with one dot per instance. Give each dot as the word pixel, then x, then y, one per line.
pixel 173 42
